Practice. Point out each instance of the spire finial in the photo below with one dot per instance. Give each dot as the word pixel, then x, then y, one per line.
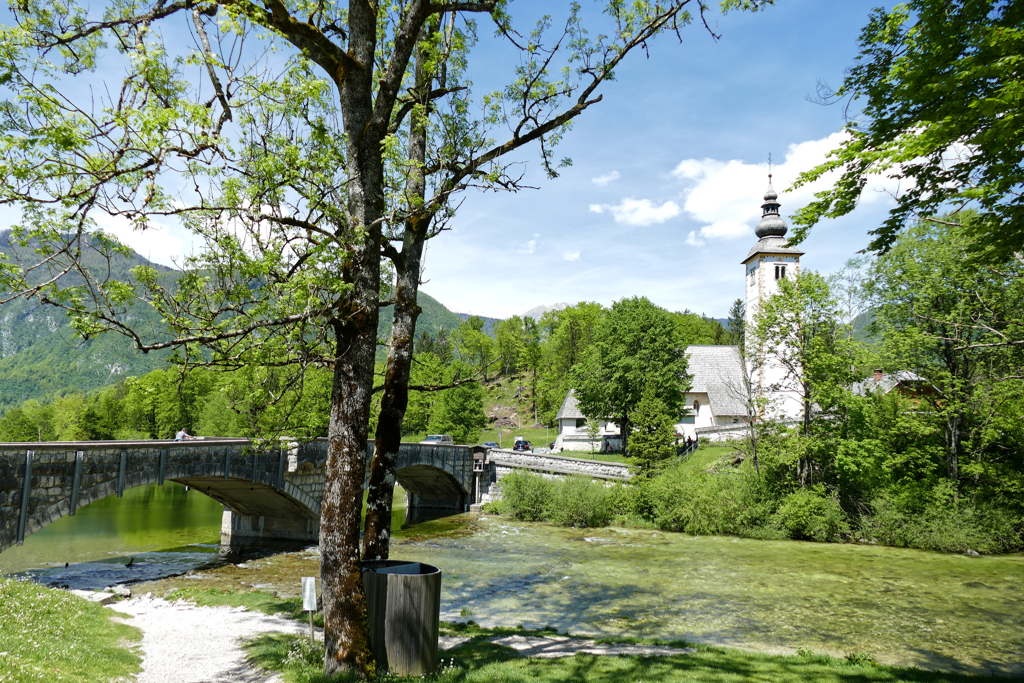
pixel 769 166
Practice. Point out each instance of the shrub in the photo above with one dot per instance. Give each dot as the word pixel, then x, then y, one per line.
pixel 809 514
pixel 526 495
pixel 944 522
pixel 697 502
pixel 495 507
pixel 581 502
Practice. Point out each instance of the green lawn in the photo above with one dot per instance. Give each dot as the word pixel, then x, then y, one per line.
pixel 53 635
pixel 478 660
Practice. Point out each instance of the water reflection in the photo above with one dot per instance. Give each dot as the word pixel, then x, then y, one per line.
pixel 168 530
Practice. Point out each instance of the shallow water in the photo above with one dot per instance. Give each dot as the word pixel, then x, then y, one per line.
pixel 905 607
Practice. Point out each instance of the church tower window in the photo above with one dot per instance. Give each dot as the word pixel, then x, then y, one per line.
pixel 780 272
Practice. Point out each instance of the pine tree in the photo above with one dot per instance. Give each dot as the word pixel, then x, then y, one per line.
pixel 652 433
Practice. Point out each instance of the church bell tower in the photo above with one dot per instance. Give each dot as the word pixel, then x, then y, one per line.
pixel 767 263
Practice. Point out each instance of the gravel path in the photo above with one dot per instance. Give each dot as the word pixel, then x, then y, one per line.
pixel 182 643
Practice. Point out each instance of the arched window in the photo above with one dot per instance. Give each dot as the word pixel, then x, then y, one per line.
pixel 696 407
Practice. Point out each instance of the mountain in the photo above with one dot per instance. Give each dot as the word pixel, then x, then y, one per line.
pixel 538 311
pixel 40 356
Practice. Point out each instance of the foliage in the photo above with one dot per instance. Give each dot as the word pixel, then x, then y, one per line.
pixel 53 635
pixel 653 432
pixel 460 412
pixel 940 84
pixel 634 342
pixel 810 514
pixel 527 496
pixel 581 502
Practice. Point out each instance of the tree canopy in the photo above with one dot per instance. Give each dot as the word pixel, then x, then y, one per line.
pixel 635 342
pixel 942 114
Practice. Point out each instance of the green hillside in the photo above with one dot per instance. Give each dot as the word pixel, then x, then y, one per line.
pixel 40 356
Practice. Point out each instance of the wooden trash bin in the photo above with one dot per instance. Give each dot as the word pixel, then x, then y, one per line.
pixel 403 601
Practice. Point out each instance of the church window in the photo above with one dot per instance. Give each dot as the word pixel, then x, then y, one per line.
pixel 780 272
pixel 696 407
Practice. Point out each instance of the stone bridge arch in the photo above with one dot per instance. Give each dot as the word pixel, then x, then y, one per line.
pixel 269 496
pixel 42 482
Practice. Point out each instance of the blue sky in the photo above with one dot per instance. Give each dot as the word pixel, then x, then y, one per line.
pixel 668 171
pixel 668 174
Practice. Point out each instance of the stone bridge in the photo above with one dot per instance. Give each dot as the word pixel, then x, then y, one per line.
pixel 501 462
pixel 268 495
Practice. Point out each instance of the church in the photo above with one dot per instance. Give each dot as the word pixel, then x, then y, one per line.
pixel 722 386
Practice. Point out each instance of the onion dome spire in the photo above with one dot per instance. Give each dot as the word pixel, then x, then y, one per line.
pixel 771 224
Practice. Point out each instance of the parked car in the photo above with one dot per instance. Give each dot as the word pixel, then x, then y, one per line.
pixel 524 446
pixel 490 444
pixel 439 440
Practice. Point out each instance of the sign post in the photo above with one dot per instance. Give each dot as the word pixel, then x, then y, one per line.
pixel 309 600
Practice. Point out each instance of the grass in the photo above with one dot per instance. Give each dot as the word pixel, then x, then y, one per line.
pixel 479 660
pixel 53 635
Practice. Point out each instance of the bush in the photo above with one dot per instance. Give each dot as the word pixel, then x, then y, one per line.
pixel 495 507
pixel 945 523
pixel 810 515
pixel 526 496
pixel 697 502
pixel 580 501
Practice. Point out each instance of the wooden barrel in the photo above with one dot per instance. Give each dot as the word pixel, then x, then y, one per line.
pixel 403 600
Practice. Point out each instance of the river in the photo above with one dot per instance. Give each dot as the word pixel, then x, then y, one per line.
pixel 902 606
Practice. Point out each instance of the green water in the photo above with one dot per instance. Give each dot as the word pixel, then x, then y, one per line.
pixel 903 606
pixel 166 529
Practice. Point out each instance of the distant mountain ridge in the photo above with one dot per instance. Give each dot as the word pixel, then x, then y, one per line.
pixel 40 356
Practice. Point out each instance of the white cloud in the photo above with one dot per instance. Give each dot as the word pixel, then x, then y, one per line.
pixel 603 180
pixel 720 193
pixel 163 244
pixel 632 211
pixel 530 247
pixel 571 256
pixel 693 240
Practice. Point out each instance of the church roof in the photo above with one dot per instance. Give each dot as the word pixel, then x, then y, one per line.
pixel 772 245
pixel 718 372
pixel 570 408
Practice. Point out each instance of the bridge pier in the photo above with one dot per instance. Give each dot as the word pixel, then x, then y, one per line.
pixel 241 533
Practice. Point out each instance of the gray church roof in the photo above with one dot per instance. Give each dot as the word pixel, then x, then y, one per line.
pixel 772 245
pixel 718 372
pixel 570 408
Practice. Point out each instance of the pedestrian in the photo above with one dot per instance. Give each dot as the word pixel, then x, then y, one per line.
pixel 182 435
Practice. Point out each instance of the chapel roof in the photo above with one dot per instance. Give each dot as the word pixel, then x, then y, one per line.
pixel 570 408
pixel 718 372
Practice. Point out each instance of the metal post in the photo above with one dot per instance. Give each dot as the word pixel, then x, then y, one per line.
pixel 121 472
pixel 26 489
pixel 76 483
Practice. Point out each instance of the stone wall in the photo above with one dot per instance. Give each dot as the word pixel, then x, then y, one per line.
pixel 499 463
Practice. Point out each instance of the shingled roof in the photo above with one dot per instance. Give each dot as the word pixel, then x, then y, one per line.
pixel 718 372
pixel 570 408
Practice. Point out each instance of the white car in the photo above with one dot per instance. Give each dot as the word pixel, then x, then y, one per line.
pixel 439 440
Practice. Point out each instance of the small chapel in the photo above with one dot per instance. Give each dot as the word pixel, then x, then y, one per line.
pixel 718 399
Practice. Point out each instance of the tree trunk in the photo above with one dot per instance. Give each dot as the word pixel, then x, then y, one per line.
pixel 346 633
pixel 395 399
